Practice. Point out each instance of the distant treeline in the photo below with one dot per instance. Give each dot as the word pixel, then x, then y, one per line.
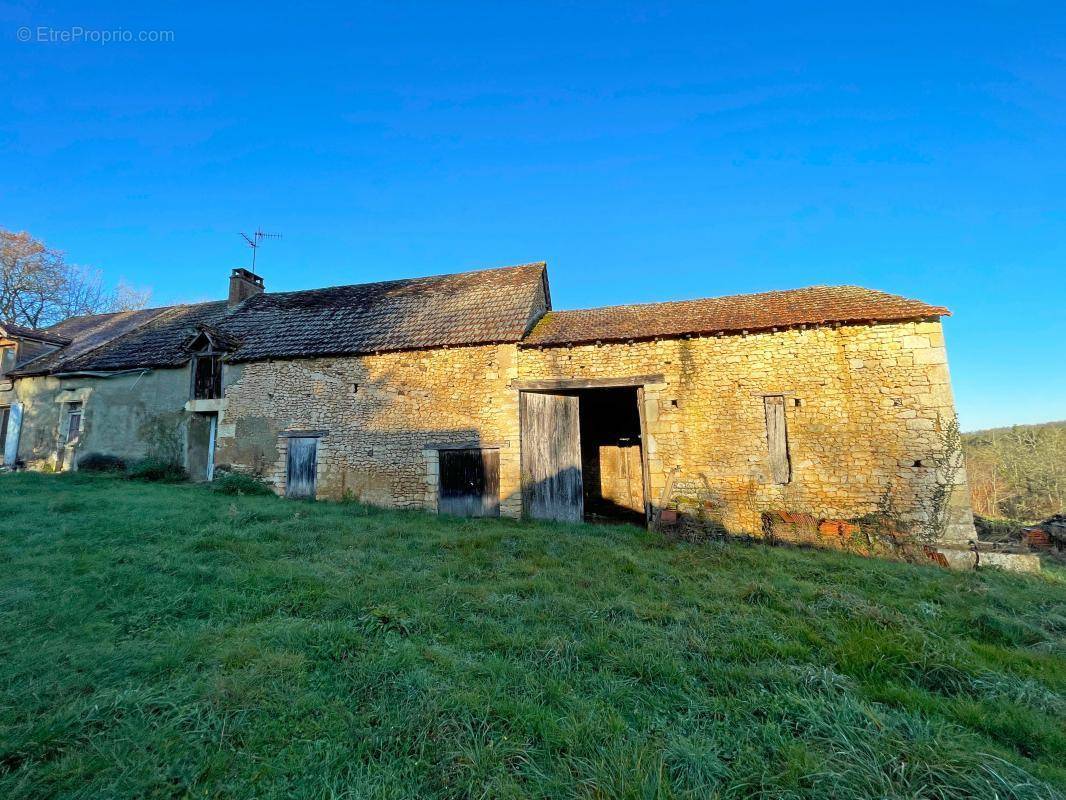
pixel 1017 472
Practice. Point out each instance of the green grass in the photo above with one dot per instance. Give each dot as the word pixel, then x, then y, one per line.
pixel 168 641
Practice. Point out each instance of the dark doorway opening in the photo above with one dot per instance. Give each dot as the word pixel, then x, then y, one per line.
pixel 583 455
pixel 612 457
pixel 469 482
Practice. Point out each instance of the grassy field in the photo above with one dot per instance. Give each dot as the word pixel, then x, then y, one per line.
pixel 166 641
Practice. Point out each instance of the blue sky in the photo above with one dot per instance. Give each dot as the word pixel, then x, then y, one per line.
pixel 645 153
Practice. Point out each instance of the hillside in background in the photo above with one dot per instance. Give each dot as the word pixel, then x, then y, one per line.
pixel 1019 472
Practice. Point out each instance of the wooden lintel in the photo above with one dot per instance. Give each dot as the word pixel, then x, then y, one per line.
pixel 586 383
pixel 462 446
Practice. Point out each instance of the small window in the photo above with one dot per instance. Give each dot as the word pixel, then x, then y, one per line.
pixel 69 433
pixel 7 359
pixel 207 377
pixel 74 425
pixel 470 483
pixel 777 439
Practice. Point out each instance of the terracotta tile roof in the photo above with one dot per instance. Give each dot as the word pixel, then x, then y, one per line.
pixel 480 307
pixel 814 305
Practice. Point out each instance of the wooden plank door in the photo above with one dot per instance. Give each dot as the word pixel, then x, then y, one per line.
pixel 649 508
pixel 551 457
pixel 302 466
pixel 469 483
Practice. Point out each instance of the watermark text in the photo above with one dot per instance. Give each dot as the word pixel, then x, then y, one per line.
pixel 45 34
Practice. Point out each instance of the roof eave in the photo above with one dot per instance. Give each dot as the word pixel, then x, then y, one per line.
pixel 938 313
pixel 237 358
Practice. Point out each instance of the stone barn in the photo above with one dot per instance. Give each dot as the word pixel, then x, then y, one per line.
pixel 467 394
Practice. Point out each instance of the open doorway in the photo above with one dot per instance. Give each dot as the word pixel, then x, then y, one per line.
pixel 583 455
pixel 612 465
pixel 200 447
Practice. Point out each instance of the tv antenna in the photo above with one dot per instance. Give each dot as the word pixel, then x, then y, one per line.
pixel 256 239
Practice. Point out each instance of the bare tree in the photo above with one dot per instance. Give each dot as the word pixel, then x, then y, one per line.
pixel 128 298
pixel 1018 472
pixel 39 288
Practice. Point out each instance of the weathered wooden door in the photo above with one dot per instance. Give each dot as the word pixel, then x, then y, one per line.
pixel 551 457
pixel 469 483
pixel 302 465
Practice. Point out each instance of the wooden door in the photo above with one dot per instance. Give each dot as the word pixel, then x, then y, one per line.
pixel 302 466
pixel 469 483
pixel 551 457
pixel 646 482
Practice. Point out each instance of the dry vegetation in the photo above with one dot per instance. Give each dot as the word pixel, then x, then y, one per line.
pixel 1017 473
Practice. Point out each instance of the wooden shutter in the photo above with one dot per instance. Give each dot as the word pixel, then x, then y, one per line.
pixel 207 377
pixel 777 439
pixel 469 483
pixel 302 466
pixel 551 457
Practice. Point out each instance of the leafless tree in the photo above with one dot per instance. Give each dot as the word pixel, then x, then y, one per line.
pixel 39 288
pixel 1018 472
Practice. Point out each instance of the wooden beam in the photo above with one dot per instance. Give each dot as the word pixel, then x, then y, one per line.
pixel 473 445
pixel 586 383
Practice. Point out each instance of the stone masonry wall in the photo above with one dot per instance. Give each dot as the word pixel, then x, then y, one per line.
pixel 382 419
pixel 864 405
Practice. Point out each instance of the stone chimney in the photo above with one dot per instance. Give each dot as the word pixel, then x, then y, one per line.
pixel 242 285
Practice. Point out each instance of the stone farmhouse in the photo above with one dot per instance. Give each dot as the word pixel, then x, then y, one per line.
pixel 467 394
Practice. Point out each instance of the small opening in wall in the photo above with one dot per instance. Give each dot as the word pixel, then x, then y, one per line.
pixel 797 402
pixel 919 463
pixel 355 388
pixel 674 402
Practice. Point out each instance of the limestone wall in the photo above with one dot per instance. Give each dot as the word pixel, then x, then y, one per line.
pixel 864 409
pixel 381 418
